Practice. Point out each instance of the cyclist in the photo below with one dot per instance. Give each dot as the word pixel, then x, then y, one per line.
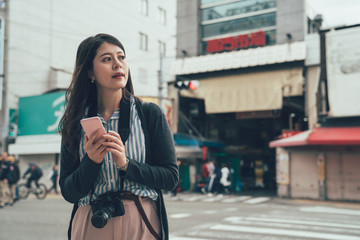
pixel 36 174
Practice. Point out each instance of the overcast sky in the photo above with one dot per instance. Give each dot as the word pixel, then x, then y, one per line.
pixel 337 12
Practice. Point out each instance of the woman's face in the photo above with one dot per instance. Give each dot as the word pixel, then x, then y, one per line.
pixel 110 68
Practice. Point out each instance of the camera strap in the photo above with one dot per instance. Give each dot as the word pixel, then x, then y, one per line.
pixel 121 184
pixel 129 196
pixel 136 199
pixel 124 120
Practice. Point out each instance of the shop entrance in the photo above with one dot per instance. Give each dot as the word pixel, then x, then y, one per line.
pixel 246 137
pixel 247 141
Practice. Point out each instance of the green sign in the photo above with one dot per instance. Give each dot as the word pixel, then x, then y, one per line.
pixel 40 114
pixel 12 122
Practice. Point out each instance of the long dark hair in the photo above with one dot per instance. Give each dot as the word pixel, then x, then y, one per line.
pixel 82 93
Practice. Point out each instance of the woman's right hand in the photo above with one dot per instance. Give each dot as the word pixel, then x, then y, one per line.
pixel 95 149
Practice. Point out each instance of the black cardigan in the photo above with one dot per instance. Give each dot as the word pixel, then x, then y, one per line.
pixel 160 170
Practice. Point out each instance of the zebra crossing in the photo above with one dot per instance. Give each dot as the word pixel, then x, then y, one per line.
pixel 270 226
pixel 194 197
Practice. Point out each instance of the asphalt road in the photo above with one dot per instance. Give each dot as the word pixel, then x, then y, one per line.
pixel 200 217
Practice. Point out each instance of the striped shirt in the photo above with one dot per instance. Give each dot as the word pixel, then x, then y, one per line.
pixel 109 177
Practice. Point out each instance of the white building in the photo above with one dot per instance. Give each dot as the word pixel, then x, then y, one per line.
pixel 41 39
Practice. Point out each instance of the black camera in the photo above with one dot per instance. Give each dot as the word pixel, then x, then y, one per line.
pixel 106 206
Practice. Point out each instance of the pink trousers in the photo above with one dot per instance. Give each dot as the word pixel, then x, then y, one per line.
pixel 128 226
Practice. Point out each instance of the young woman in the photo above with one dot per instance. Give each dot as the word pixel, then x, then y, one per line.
pixel 115 183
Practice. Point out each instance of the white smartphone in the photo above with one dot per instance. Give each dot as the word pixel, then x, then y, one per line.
pixel 91 125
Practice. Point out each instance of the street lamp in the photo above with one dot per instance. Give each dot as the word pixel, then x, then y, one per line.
pixel 291 116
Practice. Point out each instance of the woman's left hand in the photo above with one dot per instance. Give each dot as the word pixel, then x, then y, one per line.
pixel 116 147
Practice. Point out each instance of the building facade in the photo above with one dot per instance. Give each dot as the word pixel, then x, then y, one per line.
pixel 251 62
pixel 323 162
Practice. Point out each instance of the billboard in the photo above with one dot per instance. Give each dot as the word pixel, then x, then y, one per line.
pixel 343 71
pixel 40 114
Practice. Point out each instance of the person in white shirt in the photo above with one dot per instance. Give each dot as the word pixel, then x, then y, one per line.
pixel 225 180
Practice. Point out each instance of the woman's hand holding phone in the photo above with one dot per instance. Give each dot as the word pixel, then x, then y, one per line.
pixel 95 148
pixel 94 138
pixel 98 142
pixel 115 146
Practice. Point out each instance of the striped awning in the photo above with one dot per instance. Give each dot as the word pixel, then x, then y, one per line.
pixel 281 53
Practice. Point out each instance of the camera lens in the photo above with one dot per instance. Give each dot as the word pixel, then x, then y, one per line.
pixel 101 217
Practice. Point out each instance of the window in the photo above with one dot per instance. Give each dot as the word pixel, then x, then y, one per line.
pixel 224 19
pixel 162 48
pixel 314 25
pixel 162 16
pixel 144 7
pixel 237 9
pixel 143 41
pixel 238 25
pixel 143 75
pixel 205 2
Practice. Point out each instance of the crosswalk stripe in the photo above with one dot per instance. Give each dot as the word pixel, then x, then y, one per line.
pixel 331 210
pixel 236 199
pixel 257 200
pixel 210 211
pixel 180 215
pixel 283 232
pixel 239 220
pixel 184 238
pixel 230 209
pixel 213 199
pixel 220 198
pixel 192 198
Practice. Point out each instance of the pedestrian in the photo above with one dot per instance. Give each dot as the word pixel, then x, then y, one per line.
pixel 205 176
pixel 210 179
pixel 126 169
pixel 35 174
pixel 1 162
pixel 1 166
pixel 5 193
pixel 13 178
pixel 54 178
pixel 225 179
pixel 216 176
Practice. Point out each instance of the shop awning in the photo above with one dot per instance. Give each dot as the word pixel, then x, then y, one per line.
pixel 188 152
pixel 259 91
pixel 280 53
pixel 36 144
pixel 321 136
pixel 182 139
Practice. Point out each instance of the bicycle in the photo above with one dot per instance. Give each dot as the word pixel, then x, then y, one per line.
pixel 40 192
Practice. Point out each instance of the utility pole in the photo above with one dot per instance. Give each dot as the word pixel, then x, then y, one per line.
pixel 160 80
pixel 4 111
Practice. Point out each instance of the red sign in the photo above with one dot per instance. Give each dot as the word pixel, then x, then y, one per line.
pixel 233 43
pixel 289 133
pixel 204 153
